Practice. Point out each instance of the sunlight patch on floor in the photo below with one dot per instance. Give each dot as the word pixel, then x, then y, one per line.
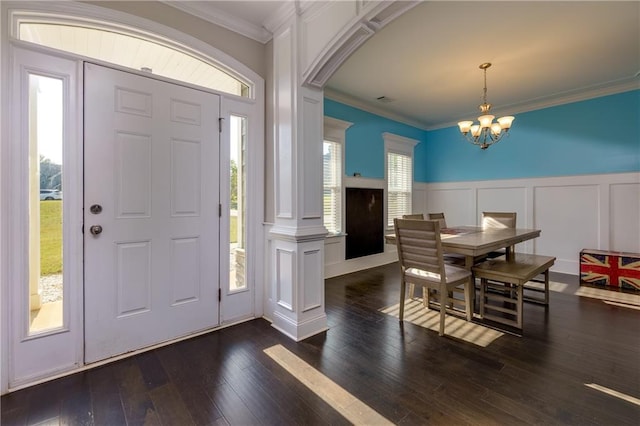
pixel 459 328
pixel 614 393
pixel 608 295
pixel 611 297
pixel 553 286
pixel 342 401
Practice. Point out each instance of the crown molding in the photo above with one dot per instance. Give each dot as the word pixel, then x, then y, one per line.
pixel 352 101
pixel 556 99
pixel 280 16
pixel 223 19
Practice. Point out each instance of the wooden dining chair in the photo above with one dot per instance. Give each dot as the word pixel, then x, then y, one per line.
pixel 422 263
pixel 452 258
pixel 440 218
pixel 498 220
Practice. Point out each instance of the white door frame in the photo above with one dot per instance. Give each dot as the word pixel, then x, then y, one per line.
pixel 10 269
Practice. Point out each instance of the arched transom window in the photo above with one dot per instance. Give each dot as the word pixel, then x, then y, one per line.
pixel 133 50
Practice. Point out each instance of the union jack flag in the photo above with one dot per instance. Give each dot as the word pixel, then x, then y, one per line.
pixel 610 269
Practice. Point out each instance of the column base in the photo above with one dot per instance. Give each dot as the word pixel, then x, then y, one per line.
pixel 299 330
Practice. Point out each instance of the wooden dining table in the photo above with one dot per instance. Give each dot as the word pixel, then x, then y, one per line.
pixel 473 242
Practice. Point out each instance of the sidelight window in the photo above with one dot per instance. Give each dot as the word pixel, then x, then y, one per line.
pixel 45 282
pixel 237 202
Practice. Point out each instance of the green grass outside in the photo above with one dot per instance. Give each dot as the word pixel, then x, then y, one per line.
pixel 51 236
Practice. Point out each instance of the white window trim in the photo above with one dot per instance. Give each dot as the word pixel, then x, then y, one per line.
pixel 399 145
pixel 335 131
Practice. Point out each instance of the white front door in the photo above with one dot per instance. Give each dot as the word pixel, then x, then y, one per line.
pixel 152 187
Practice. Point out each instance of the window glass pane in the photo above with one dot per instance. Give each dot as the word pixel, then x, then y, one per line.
pixel 332 185
pixel 132 52
pixel 45 203
pixel 399 181
pixel 237 202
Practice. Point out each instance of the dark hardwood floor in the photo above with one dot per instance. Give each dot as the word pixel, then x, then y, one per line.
pixel 404 372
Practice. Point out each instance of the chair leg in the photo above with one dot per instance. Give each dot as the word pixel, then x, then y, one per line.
pixel 403 284
pixel 472 300
pixel 412 289
pixel 483 285
pixel 519 307
pixel 469 296
pixel 443 294
pixel 442 314
pixel 546 287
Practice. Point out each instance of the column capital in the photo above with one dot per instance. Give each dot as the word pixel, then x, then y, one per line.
pixel 298 234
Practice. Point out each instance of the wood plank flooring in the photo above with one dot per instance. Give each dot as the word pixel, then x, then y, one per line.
pixel 404 372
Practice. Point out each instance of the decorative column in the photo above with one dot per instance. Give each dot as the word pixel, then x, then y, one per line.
pixel 297 237
pixel 309 45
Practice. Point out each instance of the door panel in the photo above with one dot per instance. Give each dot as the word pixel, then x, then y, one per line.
pixel 152 164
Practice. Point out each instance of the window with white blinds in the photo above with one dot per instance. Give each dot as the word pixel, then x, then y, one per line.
pixel 399 174
pixel 399 183
pixel 333 170
pixel 332 182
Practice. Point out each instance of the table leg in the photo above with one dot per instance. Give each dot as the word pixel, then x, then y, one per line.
pixel 468 264
pixel 510 254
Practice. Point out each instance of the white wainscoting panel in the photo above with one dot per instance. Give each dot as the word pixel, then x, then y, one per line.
pixel 285 278
pixel 568 218
pixel 313 290
pixel 624 217
pixel 441 200
pixel 508 199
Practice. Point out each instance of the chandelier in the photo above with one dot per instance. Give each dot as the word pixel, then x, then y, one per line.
pixel 487 132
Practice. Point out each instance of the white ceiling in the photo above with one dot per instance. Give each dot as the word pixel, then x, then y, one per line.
pixel 543 53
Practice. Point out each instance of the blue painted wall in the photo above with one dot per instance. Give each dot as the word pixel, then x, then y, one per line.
pixel 364 149
pixel 599 135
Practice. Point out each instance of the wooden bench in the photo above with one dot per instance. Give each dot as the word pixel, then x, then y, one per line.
pixel 502 286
